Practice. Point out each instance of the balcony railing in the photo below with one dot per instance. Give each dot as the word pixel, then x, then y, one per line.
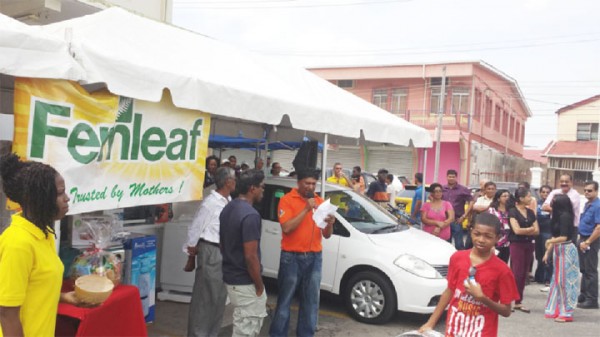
pixel 429 120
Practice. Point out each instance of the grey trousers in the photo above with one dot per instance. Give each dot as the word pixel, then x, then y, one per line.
pixel 209 294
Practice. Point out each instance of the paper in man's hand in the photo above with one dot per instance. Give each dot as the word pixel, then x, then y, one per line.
pixel 321 213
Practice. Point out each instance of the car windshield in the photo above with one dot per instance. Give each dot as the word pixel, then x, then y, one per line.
pixel 362 213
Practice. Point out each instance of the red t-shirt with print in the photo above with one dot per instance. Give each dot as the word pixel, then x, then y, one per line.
pixel 470 318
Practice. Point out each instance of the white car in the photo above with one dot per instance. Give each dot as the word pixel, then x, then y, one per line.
pixel 376 264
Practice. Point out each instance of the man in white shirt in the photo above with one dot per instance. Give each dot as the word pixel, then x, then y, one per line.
pixel 391 189
pixel 487 196
pixel 209 292
pixel 566 187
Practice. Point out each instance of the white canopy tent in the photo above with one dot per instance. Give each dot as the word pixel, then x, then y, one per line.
pixel 27 51
pixel 138 57
pixel 244 92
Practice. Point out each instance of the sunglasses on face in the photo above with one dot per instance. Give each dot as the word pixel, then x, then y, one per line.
pixel 588 190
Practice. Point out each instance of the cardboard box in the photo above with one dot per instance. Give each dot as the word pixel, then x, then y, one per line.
pixel 140 269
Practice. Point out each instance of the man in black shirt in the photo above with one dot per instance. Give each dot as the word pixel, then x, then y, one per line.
pixel 240 232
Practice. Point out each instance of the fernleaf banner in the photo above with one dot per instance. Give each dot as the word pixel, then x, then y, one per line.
pixel 113 151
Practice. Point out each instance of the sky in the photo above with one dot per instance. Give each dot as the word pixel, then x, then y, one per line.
pixel 550 47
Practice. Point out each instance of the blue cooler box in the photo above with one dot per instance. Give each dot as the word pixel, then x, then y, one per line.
pixel 140 269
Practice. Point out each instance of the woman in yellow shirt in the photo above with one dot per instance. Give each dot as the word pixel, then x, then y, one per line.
pixel 30 269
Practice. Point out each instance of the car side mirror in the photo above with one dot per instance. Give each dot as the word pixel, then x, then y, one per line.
pixel 339 229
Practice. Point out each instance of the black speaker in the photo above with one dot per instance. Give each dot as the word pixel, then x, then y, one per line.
pixel 306 156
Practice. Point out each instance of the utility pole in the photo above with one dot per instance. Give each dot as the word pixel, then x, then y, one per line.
pixel 507 138
pixel 438 135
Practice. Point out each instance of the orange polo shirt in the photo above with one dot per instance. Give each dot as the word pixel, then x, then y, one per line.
pixel 307 236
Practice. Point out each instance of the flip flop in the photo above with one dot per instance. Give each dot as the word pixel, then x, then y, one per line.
pixel 563 319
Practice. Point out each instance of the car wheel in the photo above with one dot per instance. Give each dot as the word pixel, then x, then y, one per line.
pixel 370 298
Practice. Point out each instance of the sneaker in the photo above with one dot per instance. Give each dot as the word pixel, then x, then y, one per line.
pixel 545 289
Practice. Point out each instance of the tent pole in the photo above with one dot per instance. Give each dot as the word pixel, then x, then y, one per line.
pixel 266 168
pixel 424 175
pixel 323 164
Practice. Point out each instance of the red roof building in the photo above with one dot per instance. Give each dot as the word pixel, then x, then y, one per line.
pixel 577 149
pixel 483 115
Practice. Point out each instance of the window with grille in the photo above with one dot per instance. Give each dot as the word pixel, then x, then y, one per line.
pixel 399 101
pixel 511 128
pixel 477 112
pixel 434 103
pixel 505 123
pixel 497 118
pixel 460 101
pixel 587 131
pixel 380 98
pixel 487 114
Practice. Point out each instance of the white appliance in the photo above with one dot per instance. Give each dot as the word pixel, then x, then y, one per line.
pixel 176 284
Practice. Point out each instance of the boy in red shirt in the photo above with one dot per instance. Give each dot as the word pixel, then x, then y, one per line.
pixel 480 286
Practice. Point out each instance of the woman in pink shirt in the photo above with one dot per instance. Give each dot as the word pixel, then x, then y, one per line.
pixel 438 214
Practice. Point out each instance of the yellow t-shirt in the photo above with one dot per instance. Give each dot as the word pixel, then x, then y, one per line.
pixel 340 181
pixel 30 276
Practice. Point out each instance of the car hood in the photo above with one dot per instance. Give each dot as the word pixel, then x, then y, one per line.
pixel 431 249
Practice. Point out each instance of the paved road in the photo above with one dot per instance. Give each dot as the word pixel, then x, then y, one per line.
pixel 333 321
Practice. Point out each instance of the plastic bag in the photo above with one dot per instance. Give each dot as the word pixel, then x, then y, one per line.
pixel 100 230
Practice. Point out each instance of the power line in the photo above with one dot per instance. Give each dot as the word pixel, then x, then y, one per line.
pixel 285 4
pixel 369 53
pixel 591 36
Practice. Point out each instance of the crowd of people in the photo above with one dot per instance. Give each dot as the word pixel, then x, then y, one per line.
pixel 549 228
pixel 520 228
pixel 489 271
pixel 224 239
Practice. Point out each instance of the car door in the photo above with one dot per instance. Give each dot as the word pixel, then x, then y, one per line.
pixel 270 242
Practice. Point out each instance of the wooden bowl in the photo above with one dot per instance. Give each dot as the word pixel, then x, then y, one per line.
pixel 93 289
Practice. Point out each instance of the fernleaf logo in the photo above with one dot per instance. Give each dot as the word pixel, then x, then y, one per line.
pixel 125 113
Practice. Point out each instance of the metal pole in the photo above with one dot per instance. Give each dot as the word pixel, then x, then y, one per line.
pixel 439 126
pixel 507 139
pixel 323 164
pixel 424 176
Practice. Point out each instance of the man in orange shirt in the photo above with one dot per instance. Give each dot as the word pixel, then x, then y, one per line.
pixel 301 259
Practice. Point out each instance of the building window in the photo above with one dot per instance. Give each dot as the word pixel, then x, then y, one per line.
pixel 477 112
pixel 518 132
pixel 522 133
pixel 587 131
pixel 437 81
pixel 380 98
pixel 434 103
pixel 580 177
pixel 488 112
pixel 460 101
pixel 399 101
pixel 497 117
pixel 511 128
pixel 505 123
pixel 346 84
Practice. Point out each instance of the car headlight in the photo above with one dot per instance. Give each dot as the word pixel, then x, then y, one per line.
pixel 416 266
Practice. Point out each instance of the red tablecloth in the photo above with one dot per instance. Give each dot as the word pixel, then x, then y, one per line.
pixel 120 315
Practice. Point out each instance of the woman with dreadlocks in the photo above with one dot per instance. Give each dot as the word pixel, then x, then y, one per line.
pixel 30 270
